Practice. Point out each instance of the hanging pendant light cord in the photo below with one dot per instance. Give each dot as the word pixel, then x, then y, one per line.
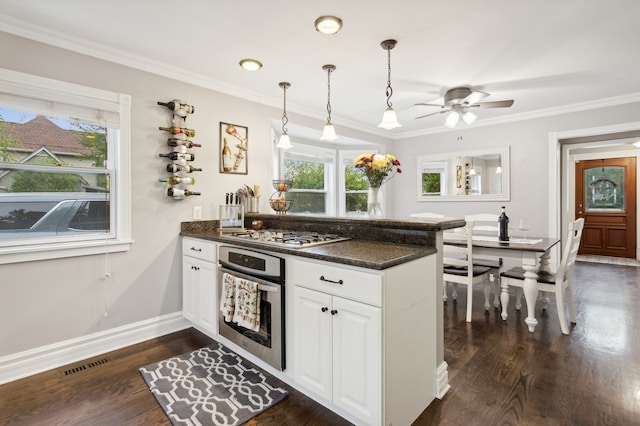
pixel 285 120
pixel 329 95
pixel 389 91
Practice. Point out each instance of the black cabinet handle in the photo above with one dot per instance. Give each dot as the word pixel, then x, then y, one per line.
pixel 195 268
pixel 324 309
pixel 322 278
pixel 196 249
pixel 334 311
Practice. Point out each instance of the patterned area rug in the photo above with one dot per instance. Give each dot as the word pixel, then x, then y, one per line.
pixel 210 386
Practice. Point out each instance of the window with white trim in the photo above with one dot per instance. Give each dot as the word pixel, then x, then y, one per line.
pixel 64 169
pixel 324 180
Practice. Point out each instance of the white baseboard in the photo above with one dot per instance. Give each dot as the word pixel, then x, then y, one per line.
pixel 33 361
pixel 442 380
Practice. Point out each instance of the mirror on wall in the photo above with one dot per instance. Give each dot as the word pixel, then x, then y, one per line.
pixel 473 175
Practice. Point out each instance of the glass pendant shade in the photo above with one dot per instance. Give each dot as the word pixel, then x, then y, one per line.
pixel 328 133
pixel 284 142
pixel 389 120
pixel 469 117
pixel 452 119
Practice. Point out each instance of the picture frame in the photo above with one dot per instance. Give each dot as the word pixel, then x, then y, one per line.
pixel 234 148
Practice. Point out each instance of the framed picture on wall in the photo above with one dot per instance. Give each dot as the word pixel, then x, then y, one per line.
pixel 234 144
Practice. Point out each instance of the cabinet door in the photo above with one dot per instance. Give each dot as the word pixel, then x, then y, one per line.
pixel 206 296
pixel 357 355
pixel 190 267
pixel 199 294
pixel 312 357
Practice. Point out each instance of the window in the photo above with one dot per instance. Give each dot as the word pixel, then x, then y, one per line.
pixel 311 170
pixel 64 164
pixel 324 180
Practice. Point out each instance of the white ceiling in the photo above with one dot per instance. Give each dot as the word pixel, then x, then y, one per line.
pixel 549 56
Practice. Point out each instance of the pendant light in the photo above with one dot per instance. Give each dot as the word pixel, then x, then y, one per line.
pixel 389 118
pixel 284 142
pixel 329 132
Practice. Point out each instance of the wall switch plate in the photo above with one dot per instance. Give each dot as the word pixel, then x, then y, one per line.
pixel 197 212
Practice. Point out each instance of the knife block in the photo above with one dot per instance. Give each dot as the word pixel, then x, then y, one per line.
pixel 231 217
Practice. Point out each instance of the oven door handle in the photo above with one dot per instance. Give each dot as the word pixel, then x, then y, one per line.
pixel 262 286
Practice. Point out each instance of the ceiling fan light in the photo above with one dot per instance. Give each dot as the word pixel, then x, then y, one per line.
pixel 469 117
pixel 452 119
pixel 284 142
pixel 328 133
pixel 389 120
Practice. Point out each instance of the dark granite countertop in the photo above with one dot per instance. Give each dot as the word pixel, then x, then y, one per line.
pixel 374 244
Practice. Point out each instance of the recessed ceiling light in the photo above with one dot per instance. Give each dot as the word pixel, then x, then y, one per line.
pixel 251 64
pixel 328 24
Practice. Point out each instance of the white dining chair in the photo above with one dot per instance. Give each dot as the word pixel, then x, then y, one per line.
pixel 558 283
pixel 486 224
pixel 458 268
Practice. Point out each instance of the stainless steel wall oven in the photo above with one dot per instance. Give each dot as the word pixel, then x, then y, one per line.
pixel 268 342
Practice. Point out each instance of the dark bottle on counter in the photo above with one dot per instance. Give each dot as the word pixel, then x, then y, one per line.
pixel 174 105
pixel 175 168
pixel 503 226
pixel 179 155
pixel 175 130
pixel 179 142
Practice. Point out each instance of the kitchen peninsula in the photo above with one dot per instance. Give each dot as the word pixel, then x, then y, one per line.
pixel 376 357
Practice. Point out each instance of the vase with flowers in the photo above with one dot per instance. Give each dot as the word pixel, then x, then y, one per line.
pixel 378 168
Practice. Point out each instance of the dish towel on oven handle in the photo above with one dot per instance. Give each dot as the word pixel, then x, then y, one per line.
pixel 247 304
pixel 227 298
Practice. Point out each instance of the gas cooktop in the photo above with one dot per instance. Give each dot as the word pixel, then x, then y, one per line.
pixel 290 239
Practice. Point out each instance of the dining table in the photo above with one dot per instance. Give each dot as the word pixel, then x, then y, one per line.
pixel 533 252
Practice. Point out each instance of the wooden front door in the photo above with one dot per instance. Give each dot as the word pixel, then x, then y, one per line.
pixel 606 199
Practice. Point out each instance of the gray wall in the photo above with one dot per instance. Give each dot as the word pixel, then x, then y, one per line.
pixel 529 143
pixel 51 301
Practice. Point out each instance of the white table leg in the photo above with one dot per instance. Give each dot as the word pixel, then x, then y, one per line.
pixel 530 289
pixel 504 298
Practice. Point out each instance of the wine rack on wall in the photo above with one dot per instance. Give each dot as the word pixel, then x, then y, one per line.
pixel 180 169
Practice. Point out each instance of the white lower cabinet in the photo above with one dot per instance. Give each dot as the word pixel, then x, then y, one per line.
pixel 199 284
pixel 338 348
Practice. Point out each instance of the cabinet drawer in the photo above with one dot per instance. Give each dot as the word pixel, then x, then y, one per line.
pixel 337 280
pixel 200 249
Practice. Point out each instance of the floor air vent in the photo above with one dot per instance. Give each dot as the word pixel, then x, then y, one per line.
pixel 86 366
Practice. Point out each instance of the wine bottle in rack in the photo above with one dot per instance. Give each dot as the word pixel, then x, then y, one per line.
pixel 175 105
pixel 182 142
pixel 175 130
pixel 227 161
pixel 179 156
pixel 177 180
pixel 175 168
pixel 180 193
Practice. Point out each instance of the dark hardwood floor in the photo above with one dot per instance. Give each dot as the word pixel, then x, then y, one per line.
pixel 500 374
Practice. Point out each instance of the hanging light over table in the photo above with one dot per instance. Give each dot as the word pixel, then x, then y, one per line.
pixel 284 142
pixel 389 118
pixel 329 132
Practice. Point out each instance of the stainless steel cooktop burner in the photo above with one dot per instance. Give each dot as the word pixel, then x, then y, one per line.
pixel 291 239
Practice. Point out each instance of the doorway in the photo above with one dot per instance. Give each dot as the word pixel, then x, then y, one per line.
pixel 605 196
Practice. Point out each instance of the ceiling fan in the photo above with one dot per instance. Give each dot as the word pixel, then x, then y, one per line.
pixel 460 101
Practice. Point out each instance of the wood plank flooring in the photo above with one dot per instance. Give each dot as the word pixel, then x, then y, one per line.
pixel 500 374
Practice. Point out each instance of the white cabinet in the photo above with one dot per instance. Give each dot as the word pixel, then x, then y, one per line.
pixel 338 348
pixel 199 285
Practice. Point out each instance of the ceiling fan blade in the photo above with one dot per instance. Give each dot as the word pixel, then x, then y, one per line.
pixel 494 104
pixel 425 104
pixel 474 97
pixel 433 113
